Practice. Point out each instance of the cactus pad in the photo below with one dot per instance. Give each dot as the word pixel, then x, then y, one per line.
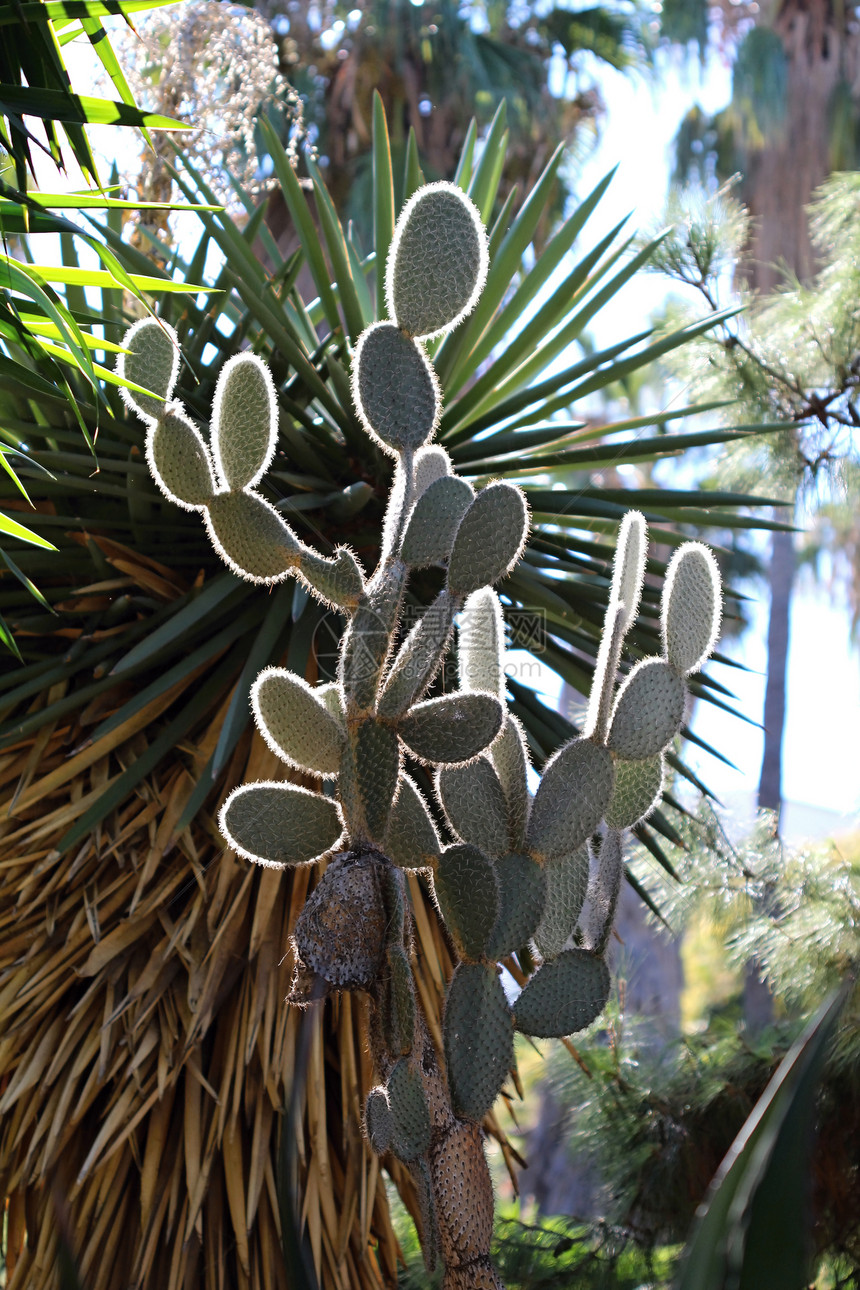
pixel 431 463
pixel 474 803
pixel 340 933
pixel 481 643
pixel 368 778
pixel 398 1002
pixel 179 461
pixel 378 1121
pixel 453 728
pixel 295 722
pixel 522 895
pixel 637 791
pixel 566 885
pixel 418 658
pixel 251 537
pixel 338 581
pixel 604 891
pixel 575 789
pixel 395 389
pixel 510 758
pixel 563 996
pixel 411 841
pixel 437 263
pixel 629 566
pixel 368 637
pixel 279 824
pixel 468 894
pixel 434 521
pixel 691 607
pixel 479 1039
pixel 489 540
pixel 152 362
pixel 464 1197
pixel 648 711
pixel 244 421
pixel 410 1114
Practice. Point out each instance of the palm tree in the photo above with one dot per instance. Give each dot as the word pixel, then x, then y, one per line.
pixel 163 1115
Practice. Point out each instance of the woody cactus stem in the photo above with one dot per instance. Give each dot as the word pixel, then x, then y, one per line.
pixel 513 871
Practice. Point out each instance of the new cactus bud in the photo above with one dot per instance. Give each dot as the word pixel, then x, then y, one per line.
pixel 467 892
pixel 691 607
pixel 489 540
pixel 452 729
pixel 280 824
pixel 153 363
pixel 563 996
pixel 474 803
pixel 295 723
pixel 479 1039
pixel 648 710
pixel 509 755
pixel 410 1114
pixel 575 790
pixel 522 897
pixel 395 389
pixel 430 463
pixel 367 783
pixel 566 879
pixel 481 643
pixel 378 1121
pixel 179 461
pixel 604 892
pixel 438 261
pixel 434 522
pixel 411 841
pixel 638 785
pixel 418 658
pixel 250 536
pixel 244 422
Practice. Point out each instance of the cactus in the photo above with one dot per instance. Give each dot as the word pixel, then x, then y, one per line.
pixel 511 872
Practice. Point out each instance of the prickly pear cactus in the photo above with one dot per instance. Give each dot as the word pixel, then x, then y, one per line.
pixel 512 871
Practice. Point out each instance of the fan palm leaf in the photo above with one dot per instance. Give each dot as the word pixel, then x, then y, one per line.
pixel 149 1067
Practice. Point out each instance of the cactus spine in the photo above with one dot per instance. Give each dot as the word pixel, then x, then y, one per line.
pixel 512 871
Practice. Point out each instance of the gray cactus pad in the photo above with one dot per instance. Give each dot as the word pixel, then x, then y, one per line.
pixel 563 996
pixel 479 1039
pixel 395 389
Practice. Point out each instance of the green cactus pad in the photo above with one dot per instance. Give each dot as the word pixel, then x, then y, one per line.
pixel 522 890
pixel 566 885
pixel 368 637
pixel 489 540
pixel 431 463
pixel 179 461
pixel 395 389
pixel 331 697
pixel 648 711
pixel 604 891
pixel 378 1120
pixel 574 791
pixel 434 522
pixel 429 1234
pixel 340 934
pixel 368 779
pixel 295 723
pixel 279 824
pixel 464 1202
pixel 452 729
pixel 338 581
pixel 510 758
pixel 629 565
pixel 411 841
pixel 251 537
pixel 153 362
pixel 244 421
pixel 563 996
pixel 691 607
pixel 479 1039
pixel 437 263
pixel 481 643
pixel 638 785
pixel 398 1002
pixel 418 658
pixel 410 1114
pixel 474 802
pixel 468 894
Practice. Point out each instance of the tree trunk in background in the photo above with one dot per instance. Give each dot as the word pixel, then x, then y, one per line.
pixel 781 576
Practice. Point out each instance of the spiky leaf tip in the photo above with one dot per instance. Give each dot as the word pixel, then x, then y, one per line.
pixel 574 791
pixel 434 521
pixel 648 712
pixel 250 537
pixel 490 539
pixel 179 460
pixel 481 643
pixel 479 1039
pixel 244 421
pixel 278 824
pixel 691 607
pixel 438 260
pixel 295 723
pixel 453 729
pixel 395 389
pixel 563 996
pixel 152 362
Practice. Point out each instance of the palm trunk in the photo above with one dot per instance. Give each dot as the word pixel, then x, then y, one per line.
pixel 781 577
